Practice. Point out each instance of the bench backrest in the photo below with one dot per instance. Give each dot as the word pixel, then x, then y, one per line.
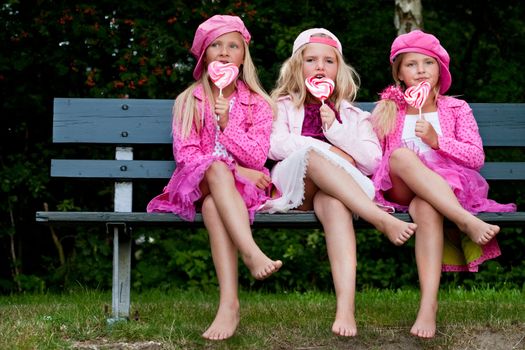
pixel 131 122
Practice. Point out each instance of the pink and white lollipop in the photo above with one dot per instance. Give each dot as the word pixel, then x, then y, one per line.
pixel 222 74
pixel 417 95
pixel 320 88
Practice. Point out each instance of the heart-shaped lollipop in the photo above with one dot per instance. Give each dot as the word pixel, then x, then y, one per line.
pixel 417 95
pixel 320 88
pixel 222 74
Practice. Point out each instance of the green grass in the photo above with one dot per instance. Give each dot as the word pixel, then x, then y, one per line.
pixel 479 319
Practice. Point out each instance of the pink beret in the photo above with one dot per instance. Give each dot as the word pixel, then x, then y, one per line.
pixel 210 30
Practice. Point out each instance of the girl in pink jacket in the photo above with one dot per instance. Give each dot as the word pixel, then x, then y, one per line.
pixel 220 143
pixel 430 168
pixel 324 153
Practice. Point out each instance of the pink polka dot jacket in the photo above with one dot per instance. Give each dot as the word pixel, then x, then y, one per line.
pixel 246 139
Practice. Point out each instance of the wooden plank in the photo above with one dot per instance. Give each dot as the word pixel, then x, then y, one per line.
pixel 148 121
pixel 503 171
pixel 286 220
pixel 112 121
pixel 162 169
pixel 501 124
pixel 112 169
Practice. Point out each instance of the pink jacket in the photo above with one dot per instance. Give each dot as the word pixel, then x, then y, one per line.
pixel 460 140
pixel 246 136
pixel 354 135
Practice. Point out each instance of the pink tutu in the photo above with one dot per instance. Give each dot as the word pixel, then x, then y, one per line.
pixel 182 192
pixel 471 189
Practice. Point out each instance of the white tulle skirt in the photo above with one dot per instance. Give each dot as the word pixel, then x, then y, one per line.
pixel 288 178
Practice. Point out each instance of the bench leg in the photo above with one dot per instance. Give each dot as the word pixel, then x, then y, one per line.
pixel 121 273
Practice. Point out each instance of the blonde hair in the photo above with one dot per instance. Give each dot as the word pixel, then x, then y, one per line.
pixel 291 81
pixel 186 112
pixel 385 112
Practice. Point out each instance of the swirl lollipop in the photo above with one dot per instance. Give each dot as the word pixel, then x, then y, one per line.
pixel 320 88
pixel 417 95
pixel 222 74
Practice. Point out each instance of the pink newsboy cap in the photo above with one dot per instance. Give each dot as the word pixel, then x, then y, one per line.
pixel 427 44
pixel 210 30
pixel 308 36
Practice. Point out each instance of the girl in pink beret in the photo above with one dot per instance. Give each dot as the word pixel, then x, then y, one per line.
pixel 221 139
pixel 430 168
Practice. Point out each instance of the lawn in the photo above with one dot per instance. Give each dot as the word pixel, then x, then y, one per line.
pixel 474 319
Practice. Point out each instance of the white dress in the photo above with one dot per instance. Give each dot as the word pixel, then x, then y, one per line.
pixel 288 177
pixel 354 135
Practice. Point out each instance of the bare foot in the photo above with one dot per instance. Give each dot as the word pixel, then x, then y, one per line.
pixel 261 266
pixel 425 325
pixel 397 231
pixel 478 230
pixel 344 326
pixel 224 324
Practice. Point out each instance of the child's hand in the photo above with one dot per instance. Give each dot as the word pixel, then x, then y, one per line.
pixel 343 154
pixel 327 116
pixel 260 179
pixel 427 133
pixel 222 110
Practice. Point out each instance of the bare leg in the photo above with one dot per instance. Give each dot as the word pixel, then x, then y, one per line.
pixel 430 186
pixel 429 255
pixel 337 183
pixel 224 255
pixel 341 245
pixel 234 216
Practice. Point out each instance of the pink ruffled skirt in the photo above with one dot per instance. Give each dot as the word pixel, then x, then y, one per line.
pixel 471 189
pixel 182 194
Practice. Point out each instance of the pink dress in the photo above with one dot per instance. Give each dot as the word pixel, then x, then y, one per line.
pixel 245 141
pixel 458 160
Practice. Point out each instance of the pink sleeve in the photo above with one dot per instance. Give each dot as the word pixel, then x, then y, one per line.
pixel 249 142
pixel 464 145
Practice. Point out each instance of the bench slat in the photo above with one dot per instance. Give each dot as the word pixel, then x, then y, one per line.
pixel 503 171
pixel 148 121
pixel 284 220
pixel 162 169
pixel 112 169
pixel 495 130
pixel 112 121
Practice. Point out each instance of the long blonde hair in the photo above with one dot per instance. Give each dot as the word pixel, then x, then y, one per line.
pixel 291 81
pixel 186 112
pixel 385 112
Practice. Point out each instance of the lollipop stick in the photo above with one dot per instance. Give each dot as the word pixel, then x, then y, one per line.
pixel 220 95
pixel 419 112
pixel 325 126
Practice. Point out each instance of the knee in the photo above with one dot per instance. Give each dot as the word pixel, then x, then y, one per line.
pixel 218 172
pixel 315 160
pixel 422 210
pixel 401 155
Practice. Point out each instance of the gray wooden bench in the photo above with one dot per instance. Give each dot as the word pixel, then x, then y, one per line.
pixel 124 123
